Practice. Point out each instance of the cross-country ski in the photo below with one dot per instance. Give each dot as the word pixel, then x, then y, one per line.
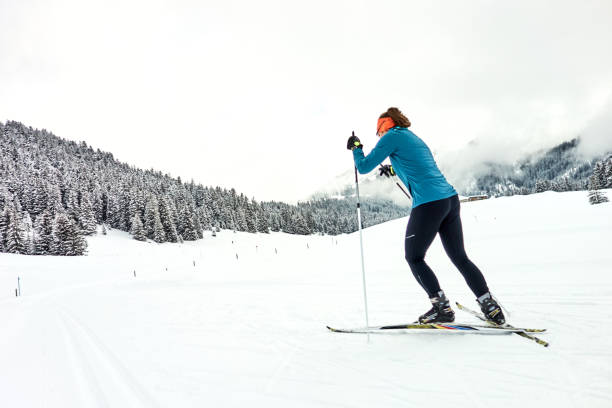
pixel 437 327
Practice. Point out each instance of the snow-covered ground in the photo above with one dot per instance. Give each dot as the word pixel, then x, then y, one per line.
pixel 239 320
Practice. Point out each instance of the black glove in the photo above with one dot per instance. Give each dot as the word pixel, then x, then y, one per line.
pixel 386 170
pixel 354 143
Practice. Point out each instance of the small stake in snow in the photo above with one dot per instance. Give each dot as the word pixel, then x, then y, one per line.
pixel 18 286
pixel 134 272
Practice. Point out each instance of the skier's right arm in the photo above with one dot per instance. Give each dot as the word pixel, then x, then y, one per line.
pixel 381 151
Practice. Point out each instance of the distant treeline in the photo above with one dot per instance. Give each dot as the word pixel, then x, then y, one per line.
pixel 53 192
pixel 558 169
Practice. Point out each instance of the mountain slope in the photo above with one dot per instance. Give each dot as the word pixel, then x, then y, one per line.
pixel 562 168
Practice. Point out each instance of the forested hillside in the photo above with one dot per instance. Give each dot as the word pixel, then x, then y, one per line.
pixel 561 168
pixel 54 191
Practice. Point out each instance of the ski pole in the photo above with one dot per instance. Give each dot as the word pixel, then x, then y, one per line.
pixel 396 183
pixel 365 295
pixel 404 191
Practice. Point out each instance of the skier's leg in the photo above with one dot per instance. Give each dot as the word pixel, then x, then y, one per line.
pixel 422 228
pixel 451 235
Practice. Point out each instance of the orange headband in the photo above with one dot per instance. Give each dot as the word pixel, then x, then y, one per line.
pixel 384 124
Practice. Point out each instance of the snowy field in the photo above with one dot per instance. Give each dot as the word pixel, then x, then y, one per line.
pixel 239 320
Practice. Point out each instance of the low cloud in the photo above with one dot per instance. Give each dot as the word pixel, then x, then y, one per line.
pixel 596 138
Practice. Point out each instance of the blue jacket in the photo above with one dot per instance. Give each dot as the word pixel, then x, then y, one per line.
pixel 412 161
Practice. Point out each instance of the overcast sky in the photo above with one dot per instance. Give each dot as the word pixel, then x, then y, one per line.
pixel 262 95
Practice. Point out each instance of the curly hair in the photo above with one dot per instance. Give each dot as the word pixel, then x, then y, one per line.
pixel 397 116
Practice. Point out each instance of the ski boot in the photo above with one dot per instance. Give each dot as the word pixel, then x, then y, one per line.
pixel 491 309
pixel 441 311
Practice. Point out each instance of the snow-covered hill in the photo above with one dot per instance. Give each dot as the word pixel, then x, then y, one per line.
pixel 239 319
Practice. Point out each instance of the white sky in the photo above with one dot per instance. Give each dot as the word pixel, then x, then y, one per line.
pixel 262 95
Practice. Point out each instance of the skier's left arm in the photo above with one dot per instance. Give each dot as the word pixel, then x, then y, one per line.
pixel 381 151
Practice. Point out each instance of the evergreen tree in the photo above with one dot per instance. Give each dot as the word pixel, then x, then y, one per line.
pixel 87 217
pixel 167 220
pixel 189 232
pixel 541 186
pixel 300 225
pixel 251 218
pixel 3 228
pixel 43 237
pixel 595 184
pixel 28 229
pixel 159 235
pixel 151 216
pixel 67 239
pixel 137 231
pixel 13 232
pixel 197 225
pixel 262 219
pixel 72 206
pixel 600 172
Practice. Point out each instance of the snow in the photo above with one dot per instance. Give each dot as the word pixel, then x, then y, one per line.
pixel 251 331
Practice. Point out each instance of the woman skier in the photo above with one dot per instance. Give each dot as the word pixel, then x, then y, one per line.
pixel 435 209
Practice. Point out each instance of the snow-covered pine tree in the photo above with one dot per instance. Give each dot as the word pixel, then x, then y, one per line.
pixel 275 222
pixel 300 226
pixel 97 203
pixel 132 206
pixel 54 198
pixel 28 230
pixel 609 173
pixel 189 232
pixel 43 236
pixel 37 197
pixel 3 225
pixel 251 218
pixel 541 186
pixel 167 220
pixel 67 239
pixel 262 220
pixel 115 217
pixel 600 172
pixel 87 217
pixel 595 195
pixel 159 235
pixel 240 223
pixel 15 240
pixel 137 231
pixel 197 224
pixel 151 214
pixel 13 231
pixel 72 205
pixel 204 218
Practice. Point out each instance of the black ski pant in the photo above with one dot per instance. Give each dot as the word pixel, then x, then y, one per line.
pixel 426 221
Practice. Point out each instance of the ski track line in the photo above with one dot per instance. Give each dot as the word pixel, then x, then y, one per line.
pixel 86 377
pixel 101 367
